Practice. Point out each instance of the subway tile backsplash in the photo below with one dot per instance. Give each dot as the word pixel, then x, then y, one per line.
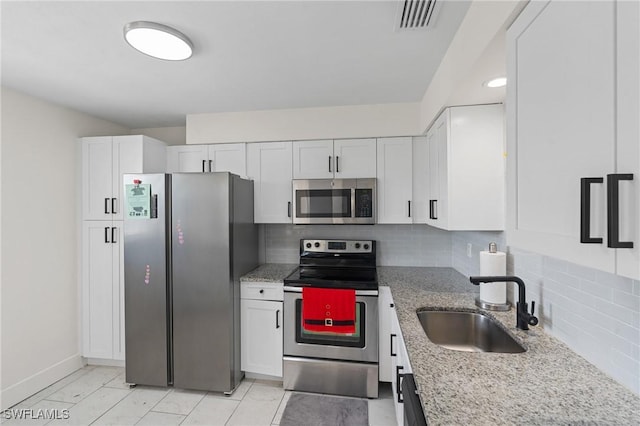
pixel 595 313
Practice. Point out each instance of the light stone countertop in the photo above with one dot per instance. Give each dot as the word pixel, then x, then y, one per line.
pixel 549 384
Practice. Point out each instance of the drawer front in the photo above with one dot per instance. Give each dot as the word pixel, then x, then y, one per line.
pixel 262 291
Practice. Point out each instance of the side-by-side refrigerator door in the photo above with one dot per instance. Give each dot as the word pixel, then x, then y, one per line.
pixel 147 210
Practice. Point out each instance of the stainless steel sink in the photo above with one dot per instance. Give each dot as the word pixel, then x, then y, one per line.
pixel 467 331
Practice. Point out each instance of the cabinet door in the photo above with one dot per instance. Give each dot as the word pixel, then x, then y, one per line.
pixel 97 289
pixel 396 367
pixel 394 180
pixel 181 159
pixel 261 337
pixel 127 158
pixel 420 156
pixel 96 178
pixel 313 159
pixel 355 158
pixel 560 126
pixel 228 157
pixel 269 165
pixel 628 135
pixel 385 310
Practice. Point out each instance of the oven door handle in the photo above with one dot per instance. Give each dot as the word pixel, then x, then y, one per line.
pixel 290 289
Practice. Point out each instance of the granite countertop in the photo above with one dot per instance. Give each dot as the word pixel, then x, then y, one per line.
pixel 549 384
pixel 269 272
pixel 546 385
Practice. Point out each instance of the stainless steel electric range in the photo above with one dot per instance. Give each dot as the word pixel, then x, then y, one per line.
pixel 327 362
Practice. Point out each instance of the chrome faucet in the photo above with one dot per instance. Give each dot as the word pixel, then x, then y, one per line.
pixel 523 318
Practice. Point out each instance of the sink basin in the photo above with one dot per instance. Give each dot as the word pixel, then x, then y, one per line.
pixel 467 331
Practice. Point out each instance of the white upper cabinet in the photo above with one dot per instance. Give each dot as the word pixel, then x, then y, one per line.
pixel 465 159
pixel 269 166
pixel 328 159
pixel 226 157
pixel 104 160
pixel 573 133
pixel 395 180
pixel 420 203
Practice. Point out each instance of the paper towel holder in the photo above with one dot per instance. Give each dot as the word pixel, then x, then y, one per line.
pixel 499 307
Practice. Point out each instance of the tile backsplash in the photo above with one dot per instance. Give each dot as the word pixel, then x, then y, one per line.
pixel 397 245
pixel 595 313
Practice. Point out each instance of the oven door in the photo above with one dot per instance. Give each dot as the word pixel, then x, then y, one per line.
pixel 340 201
pixel 361 346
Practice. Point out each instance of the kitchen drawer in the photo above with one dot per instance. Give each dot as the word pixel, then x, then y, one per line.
pixel 262 291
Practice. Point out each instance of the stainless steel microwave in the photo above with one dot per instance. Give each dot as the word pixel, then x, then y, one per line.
pixel 334 201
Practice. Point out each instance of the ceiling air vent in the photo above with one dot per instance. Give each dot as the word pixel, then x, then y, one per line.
pixel 416 13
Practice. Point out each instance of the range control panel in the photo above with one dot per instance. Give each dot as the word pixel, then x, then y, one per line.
pixel 338 246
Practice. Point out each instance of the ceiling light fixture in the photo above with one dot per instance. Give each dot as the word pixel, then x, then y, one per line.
pixel 158 41
pixel 496 82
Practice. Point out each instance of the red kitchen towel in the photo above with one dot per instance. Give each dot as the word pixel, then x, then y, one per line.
pixel 329 310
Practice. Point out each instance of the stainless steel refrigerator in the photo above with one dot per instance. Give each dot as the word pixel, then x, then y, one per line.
pixel 188 237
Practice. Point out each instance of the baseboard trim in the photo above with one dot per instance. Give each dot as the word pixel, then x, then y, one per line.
pixel 35 383
pixel 105 362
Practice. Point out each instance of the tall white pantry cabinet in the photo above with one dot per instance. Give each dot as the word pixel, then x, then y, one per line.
pixel 104 160
pixel 573 133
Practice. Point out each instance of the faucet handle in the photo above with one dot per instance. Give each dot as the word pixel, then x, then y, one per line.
pixel 532 320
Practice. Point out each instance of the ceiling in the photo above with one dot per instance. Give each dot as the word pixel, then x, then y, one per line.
pixel 248 56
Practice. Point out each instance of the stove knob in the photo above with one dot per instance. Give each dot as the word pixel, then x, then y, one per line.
pixel 357 245
pixel 366 246
pixel 308 245
pixel 316 245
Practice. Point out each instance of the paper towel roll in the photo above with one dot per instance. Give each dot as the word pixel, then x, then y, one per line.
pixel 493 264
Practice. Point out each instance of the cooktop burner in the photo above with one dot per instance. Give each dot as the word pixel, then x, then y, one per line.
pixel 336 264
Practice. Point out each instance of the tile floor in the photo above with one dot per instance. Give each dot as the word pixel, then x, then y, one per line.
pixel 96 395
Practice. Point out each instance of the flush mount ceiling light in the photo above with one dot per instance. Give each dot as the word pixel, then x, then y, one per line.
pixel 496 82
pixel 157 40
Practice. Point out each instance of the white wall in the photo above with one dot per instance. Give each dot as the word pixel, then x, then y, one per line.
pixel 39 178
pixel 169 135
pixel 358 121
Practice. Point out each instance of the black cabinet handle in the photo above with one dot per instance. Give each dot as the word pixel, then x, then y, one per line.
pixel 106 235
pixel 210 165
pixel 329 164
pixel 114 206
pixel 391 345
pixel 113 235
pixel 106 206
pixel 337 164
pixel 278 319
pixel 203 162
pixel 585 210
pixel 613 210
pixel 409 208
pixel 433 209
pixel 398 388
pixel 289 208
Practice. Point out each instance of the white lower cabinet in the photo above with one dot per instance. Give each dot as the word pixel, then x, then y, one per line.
pixel 385 311
pixel 102 290
pixel 261 328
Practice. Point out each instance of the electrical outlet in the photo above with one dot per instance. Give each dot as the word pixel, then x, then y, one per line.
pixel 469 253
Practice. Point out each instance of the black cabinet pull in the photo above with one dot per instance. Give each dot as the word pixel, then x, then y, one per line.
pixel 613 210
pixel 106 235
pixel 585 210
pixel 203 162
pixel 329 164
pixel 433 209
pixel 114 206
pixel 113 235
pixel 398 388
pixel 278 319
pixel 337 164
pixel 409 208
pixel 106 206
pixel 289 208
pixel 391 345
pixel 210 165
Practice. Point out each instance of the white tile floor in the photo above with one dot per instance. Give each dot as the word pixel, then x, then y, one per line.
pixel 98 396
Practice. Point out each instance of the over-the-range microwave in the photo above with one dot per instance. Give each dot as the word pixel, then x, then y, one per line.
pixel 334 201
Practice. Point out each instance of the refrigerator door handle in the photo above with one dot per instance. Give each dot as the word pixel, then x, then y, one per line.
pixel 585 210
pixel 613 211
